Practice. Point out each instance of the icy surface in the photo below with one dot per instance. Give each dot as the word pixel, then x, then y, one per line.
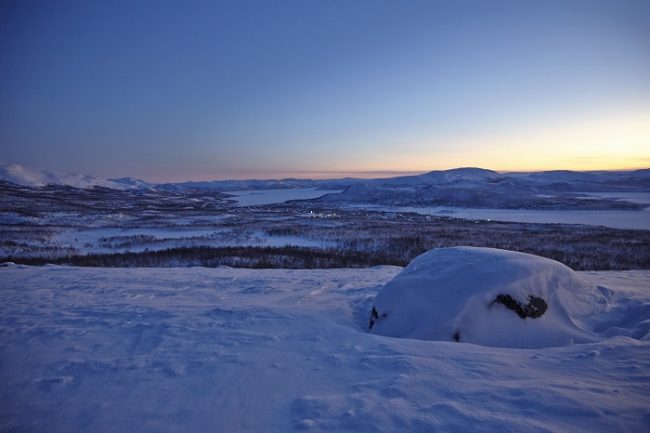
pixel 449 294
pixel 618 219
pixel 224 350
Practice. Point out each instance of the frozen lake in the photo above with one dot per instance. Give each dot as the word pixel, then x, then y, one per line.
pixel 620 219
pixel 272 196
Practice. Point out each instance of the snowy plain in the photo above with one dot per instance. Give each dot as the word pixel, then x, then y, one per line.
pixel 116 239
pixel 238 350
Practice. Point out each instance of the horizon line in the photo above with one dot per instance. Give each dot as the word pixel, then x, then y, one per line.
pixel 317 174
pixel 380 174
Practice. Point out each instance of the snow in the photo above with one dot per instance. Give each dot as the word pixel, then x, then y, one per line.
pixel 448 294
pixel 78 237
pixel 108 239
pixel 116 239
pixel 34 177
pixel 235 350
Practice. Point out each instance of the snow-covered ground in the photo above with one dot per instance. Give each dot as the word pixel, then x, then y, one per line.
pixel 115 239
pixel 226 350
pixel 34 177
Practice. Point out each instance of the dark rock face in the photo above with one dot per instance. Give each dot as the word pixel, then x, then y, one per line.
pixel 535 307
pixel 374 315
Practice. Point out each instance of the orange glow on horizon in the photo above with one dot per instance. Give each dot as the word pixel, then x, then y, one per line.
pixel 614 142
pixel 608 143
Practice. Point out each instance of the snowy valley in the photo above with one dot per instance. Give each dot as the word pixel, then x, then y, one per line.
pixel 302 225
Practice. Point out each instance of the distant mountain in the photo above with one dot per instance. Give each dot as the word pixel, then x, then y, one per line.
pixel 34 177
pixel 131 183
pixel 480 188
pixel 434 177
pixel 260 184
pixel 439 177
pixel 460 187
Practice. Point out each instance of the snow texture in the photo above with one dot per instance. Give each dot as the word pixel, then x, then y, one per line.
pixel 461 293
pixel 233 350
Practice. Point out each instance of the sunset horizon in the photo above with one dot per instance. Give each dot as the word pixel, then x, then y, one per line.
pixel 171 91
pixel 318 174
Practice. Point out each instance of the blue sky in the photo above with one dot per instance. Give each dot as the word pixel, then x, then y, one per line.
pixel 209 90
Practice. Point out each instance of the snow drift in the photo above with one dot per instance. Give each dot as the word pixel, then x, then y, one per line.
pixel 486 296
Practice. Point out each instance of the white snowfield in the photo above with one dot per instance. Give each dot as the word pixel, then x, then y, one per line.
pixel 226 350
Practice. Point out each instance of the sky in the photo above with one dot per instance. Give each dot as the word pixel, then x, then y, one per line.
pixel 200 90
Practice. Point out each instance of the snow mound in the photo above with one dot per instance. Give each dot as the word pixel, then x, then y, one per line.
pixel 487 296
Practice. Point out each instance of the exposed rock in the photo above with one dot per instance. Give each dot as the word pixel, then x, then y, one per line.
pixel 535 307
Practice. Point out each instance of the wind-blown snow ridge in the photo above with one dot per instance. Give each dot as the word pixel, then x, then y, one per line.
pixel 33 177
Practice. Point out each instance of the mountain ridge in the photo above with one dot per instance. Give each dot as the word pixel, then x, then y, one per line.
pixel 462 181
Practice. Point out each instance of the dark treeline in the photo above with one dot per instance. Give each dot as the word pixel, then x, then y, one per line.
pixel 395 251
pixel 245 257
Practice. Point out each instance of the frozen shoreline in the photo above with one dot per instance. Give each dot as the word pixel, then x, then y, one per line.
pixel 619 219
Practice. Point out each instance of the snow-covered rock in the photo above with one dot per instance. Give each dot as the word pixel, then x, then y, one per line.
pixel 489 297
